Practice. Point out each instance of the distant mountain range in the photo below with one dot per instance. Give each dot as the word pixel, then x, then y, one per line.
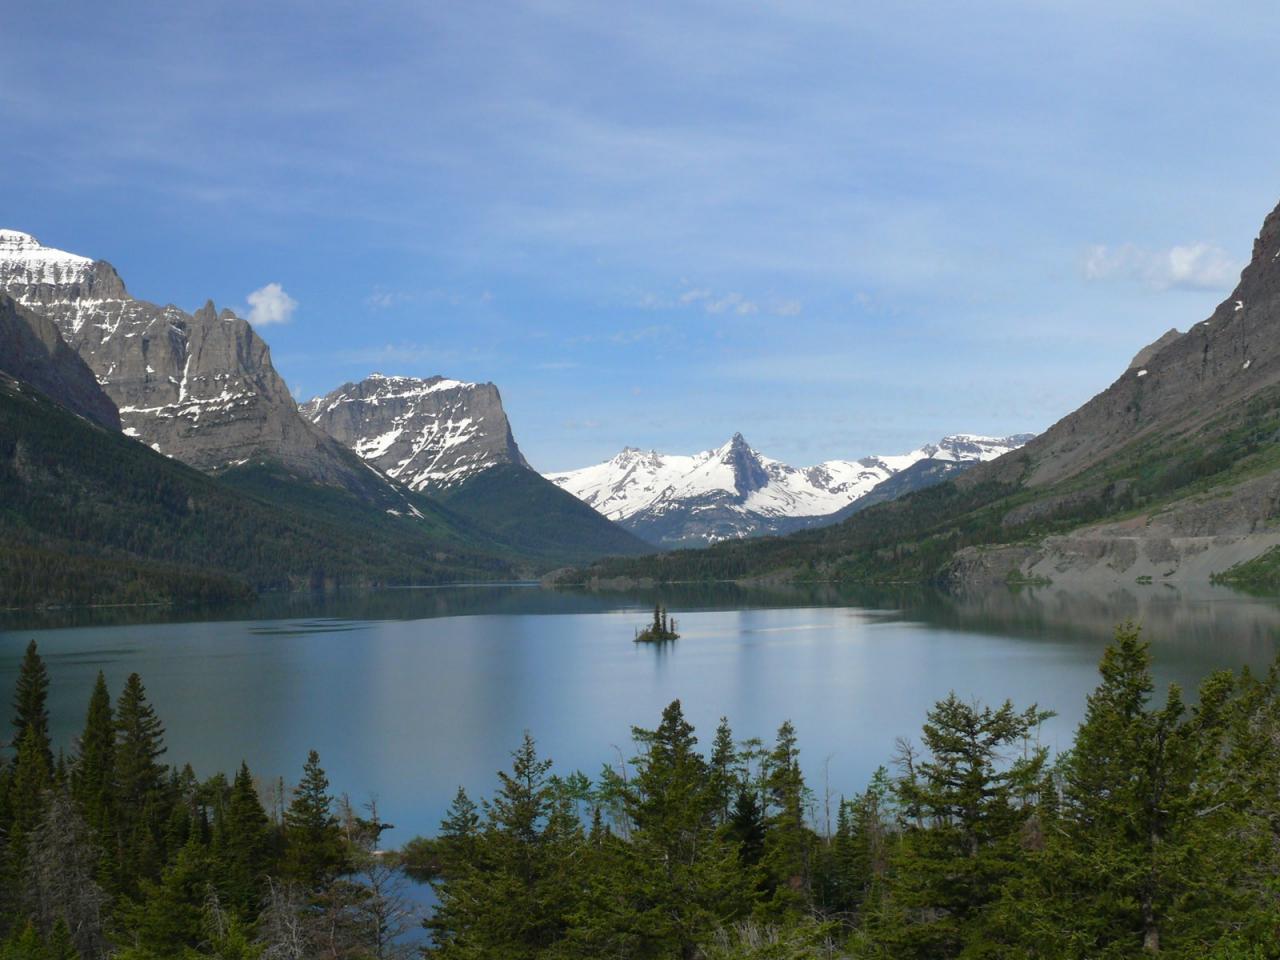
pixel 1170 474
pixel 734 491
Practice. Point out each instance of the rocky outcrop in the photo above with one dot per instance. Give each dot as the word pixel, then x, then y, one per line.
pixel 199 387
pixel 1189 540
pixel 32 351
pixel 429 434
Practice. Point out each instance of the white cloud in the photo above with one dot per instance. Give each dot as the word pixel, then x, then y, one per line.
pixel 270 304
pixel 1194 266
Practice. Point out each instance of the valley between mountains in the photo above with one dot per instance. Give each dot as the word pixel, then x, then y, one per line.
pixel 150 454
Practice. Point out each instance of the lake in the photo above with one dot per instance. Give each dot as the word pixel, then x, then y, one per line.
pixel 409 693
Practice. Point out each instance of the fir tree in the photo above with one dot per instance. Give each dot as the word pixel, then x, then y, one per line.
pixel 139 784
pixel 245 845
pixel 514 898
pixel 93 773
pixel 746 827
pixel 1148 844
pixel 970 794
pixel 30 704
pixel 723 772
pixel 28 797
pixel 313 841
pixel 459 832
pixel 789 843
pixel 139 745
pixel 679 878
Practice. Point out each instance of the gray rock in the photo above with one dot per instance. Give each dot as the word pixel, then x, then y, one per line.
pixel 430 434
pixel 197 387
pixel 33 351
pixel 1176 384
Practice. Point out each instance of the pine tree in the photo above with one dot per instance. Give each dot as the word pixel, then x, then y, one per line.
pixel 28 798
pixel 30 704
pixel 169 917
pixel 93 773
pixel 680 877
pixel 789 843
pixel 514 898
pixel 139 745
pixel 725 780
pixel 459 832
pixel 313 841
pixel 1147 851
pixel 971 797
pixel 140 802
pixel 746 827
pixel 245 846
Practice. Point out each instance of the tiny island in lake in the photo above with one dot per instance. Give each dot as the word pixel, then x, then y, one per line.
pixel 661 630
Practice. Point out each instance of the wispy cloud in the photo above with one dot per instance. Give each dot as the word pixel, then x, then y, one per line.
pixel 716 303
pixel 384 298
pixel 270 304
pixel 1193 266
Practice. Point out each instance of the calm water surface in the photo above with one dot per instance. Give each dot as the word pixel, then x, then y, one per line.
pixel 407 694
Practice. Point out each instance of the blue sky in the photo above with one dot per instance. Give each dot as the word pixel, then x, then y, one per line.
pixel 839 228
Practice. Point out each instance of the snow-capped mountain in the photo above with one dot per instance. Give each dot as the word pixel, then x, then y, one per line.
pixel 199 387
pixel 429 434
pixel 452 441
pixel 735 491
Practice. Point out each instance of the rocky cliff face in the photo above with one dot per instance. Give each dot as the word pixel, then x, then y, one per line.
pixel 33 351
pixel 1181 446
pixel 429 434
pixel 199 387
pixel 1181 380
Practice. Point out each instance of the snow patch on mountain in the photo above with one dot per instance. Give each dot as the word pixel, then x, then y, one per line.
pixel 429 434
pixel 745 491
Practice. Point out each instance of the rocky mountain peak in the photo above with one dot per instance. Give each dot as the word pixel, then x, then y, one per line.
pixel 192 386
pixel 36 275
pixel 429 433
pixel 749 473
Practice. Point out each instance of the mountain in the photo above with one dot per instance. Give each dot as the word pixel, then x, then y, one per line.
pixel 1170 474
pixel 89 516
pixel 452 440
pixel 734 491
pixel 32 349
pixel 428 434
pixel 199 387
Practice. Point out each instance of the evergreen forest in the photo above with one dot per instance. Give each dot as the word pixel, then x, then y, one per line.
pixel 1156 834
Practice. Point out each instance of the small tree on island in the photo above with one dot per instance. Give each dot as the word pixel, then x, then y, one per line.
pixel 663 627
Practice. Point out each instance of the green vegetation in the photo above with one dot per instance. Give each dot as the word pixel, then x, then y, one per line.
pixel 914 539
pixel 1154 835
pixel 536 519
pixel 90 517
pixel 110 853
pixel 1259 575
pixel 661 630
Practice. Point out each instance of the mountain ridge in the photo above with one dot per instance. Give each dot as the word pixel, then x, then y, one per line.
pixel 733 491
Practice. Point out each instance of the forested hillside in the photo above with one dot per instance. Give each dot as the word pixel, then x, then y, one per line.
pixel 90 516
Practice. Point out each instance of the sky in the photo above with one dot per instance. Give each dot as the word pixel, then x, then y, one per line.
pixel 838 228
